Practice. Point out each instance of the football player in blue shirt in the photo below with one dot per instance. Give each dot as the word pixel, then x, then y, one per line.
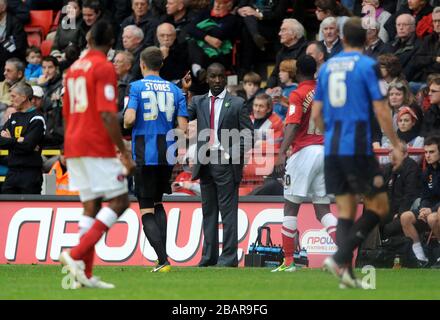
pixel 349 94
pixel 153 108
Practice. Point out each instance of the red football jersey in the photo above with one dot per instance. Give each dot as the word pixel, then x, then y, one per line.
pixel 90 88
pixel 300 109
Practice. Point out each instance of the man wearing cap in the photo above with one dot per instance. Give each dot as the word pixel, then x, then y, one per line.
pixel 37 97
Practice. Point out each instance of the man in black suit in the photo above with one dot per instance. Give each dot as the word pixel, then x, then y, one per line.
pixel 219 163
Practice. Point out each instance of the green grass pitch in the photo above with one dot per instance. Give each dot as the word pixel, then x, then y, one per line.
pixel 44 282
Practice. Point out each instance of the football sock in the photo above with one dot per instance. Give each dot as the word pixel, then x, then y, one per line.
pixel 329 222
pixel 85 223
pixel 105 218
pixel 418 251
pixel 342 231
pixel 153 235
pixel 360 230
pixel 288 234
pixel 161 220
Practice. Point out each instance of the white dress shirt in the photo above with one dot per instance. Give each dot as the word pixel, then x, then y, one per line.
pixel 218 107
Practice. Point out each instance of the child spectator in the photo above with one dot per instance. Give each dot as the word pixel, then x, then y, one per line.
pixel 251 87
pixel 34 69
pixel 287 77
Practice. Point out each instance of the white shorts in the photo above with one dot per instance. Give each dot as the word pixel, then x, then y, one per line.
pixel 96 178
pixel 305 176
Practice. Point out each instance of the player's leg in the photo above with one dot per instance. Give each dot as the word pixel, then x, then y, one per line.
pixel 147 185
pixel 408 220
pixel 326 217
pixel 434 224
pixel 321 202
pixel 296 184
pixel 91 209
pixel 289 233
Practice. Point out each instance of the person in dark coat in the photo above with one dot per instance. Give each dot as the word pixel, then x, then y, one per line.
pixel 13 40
pixel 143 19
pixel 294 45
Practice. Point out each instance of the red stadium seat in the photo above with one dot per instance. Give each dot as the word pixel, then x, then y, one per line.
pixel 34 39
pixel 46 47
pixel 56 21
pixel 40 21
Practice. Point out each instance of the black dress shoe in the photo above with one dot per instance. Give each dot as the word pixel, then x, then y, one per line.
pixel 206 264
pixel 222 265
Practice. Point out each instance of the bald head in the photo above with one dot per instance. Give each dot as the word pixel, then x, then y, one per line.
pixel 166 34
pixel 405 26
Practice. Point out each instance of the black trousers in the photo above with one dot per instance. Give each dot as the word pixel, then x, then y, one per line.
pixel 219 193
pixel 23 181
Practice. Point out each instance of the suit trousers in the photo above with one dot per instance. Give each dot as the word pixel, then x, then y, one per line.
pixel 219 193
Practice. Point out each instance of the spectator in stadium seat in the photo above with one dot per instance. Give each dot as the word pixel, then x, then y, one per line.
pixel 317 51
pixel 427 58
pixel 14 73
pixel 268 133
pixel 405 44
pixel 33 69
pixel 68 31
pixel 51 83
pixel 400 95
pixel 426 215
pixel 261 22
pixel 404 187
pixel 293 44
pixel 91 13
pixel 212 36
pixel 251 87
pixel 380 16
pixel 23 135
pixel 143 19
pixel 390 68
pixel 331 8
pixel 37 97
pixel 123 63
pixel 374 46
pixel 431 122
pixel 13 40
pixel 179 15
pixel 416 8
pixel 331 40
pixel 132 38
pixel 287 78
pixel 176 60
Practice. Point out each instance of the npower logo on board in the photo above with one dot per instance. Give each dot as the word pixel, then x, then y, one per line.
pixel 317 241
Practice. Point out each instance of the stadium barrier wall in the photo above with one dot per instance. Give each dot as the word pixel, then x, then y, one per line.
pixel 34 230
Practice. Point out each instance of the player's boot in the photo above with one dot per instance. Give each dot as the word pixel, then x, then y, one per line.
pixel 76 268
pixel 349 280
pixel 284 267
pixel 331 266
pixel 162 267
pixel 98 283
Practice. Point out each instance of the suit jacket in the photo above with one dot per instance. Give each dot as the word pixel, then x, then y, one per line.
pixel 233 115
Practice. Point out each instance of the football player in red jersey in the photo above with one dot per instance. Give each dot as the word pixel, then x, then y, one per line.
pixel 304 170
pixel 92 131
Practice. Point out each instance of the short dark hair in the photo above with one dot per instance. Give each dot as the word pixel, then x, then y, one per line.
pixel 252 77
pixel 51 59
pixel 95 5
pixel 433 140
pixel 306 66
pixel 152 58
pixel 216 65
pixel 33 49
pixel 321 48
pixel 354 33
pixel 102 34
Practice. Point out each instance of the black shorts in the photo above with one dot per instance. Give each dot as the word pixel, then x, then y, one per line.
pixel 353 175
pixel 151 182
